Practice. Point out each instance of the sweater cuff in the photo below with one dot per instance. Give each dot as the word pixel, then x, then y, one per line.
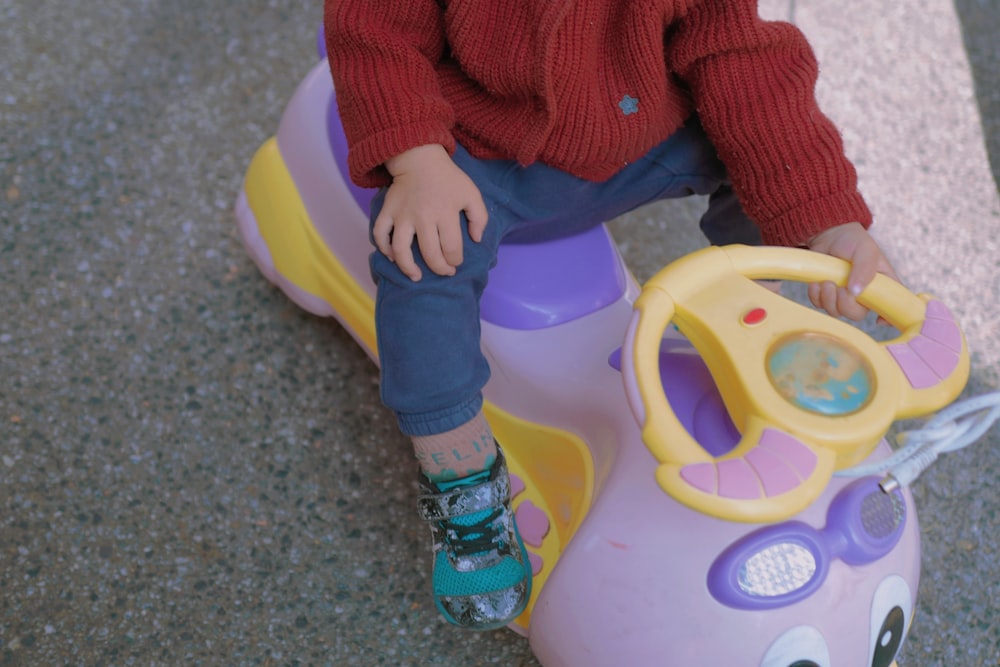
pixel 366 159
pixel 797 226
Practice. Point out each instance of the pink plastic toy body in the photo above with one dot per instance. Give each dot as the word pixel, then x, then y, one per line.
pixel 631 577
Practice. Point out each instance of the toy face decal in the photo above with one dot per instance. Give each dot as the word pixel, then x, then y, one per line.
pixel 785 563
pixel 801 646
pixel 892 609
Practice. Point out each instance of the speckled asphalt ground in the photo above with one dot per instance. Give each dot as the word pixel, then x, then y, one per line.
pixel 193 472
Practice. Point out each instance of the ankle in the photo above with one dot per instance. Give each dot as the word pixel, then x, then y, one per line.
pixel 458 453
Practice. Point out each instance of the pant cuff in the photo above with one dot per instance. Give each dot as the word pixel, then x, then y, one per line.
pixel 439 421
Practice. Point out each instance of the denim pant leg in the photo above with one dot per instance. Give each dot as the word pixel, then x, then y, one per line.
pixel 724 221
pixel 548 203
pixel 433 369
pixel 428 336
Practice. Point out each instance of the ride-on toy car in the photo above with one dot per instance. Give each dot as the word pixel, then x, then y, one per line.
pixel 672 450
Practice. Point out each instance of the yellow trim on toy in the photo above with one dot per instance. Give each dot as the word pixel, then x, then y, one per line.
pixel 558 473
pixel 555 465
pixel 298 252
pixel 706 295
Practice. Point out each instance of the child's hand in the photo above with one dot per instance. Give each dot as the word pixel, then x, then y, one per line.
pixel 853 243
pixel 428 193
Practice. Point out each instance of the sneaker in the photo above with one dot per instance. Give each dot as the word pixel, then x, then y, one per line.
pixel 482 576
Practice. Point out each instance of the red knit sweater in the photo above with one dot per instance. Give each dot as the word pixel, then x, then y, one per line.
pixel 590 85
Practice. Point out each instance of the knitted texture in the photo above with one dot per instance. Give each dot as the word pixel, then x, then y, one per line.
pixel 588 87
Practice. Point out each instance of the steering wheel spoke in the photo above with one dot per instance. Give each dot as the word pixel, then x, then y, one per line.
pixel 755 484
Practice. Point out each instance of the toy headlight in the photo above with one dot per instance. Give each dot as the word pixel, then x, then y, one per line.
pixel 782 564
pixel 777 570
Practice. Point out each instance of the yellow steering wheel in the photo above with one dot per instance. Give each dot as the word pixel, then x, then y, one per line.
pixel 808 393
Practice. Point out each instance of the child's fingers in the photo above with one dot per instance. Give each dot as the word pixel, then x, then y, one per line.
pixel 836 300
pixel 813 290
pixel 450 243
pixel 848 306
pixel 826 297
pixel 430 243
pixel 477 216
pixel 864 265
pixel 382 235
pixel 402 253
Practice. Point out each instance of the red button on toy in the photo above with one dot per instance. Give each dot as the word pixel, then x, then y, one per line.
pixel 754 316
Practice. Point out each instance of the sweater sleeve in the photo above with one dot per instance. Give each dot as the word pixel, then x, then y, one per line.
pixel 753 83
pixel 382 55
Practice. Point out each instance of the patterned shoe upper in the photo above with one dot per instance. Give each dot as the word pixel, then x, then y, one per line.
pixel 482 576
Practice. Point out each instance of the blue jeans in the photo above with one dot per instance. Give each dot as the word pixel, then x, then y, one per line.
pixel 433 370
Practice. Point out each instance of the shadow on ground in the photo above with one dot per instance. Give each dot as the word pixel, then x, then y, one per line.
pixel 980 23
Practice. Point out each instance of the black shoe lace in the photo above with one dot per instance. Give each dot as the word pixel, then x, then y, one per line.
pixel 476 537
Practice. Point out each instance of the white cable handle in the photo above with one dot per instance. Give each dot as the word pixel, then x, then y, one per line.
pixel 957 426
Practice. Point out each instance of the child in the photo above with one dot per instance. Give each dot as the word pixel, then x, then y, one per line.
pixel 489 119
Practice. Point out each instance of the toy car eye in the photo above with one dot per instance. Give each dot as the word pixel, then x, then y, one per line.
pixel 770 568
pixel 892 608
pixel 801 646
pixel 785 563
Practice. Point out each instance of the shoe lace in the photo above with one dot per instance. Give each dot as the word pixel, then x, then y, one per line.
pixel 476 537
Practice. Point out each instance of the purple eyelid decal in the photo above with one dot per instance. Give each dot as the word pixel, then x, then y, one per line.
pixel 782 564
pixel 726 580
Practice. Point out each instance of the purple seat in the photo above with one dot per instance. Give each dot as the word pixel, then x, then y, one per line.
pixel 543 284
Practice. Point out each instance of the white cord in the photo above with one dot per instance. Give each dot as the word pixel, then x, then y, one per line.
pixel 957 426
